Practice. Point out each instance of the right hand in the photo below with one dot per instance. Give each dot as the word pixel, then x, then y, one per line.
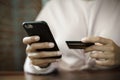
pixel 37 57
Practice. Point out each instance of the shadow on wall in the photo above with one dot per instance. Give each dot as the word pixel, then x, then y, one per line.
pixel 12 14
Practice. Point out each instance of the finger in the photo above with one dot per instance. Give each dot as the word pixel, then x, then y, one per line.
pixel 105 62
pixel 97 39
pixel 98 48
pixel 101 55
pixel 42 45
pixel 34 46
pixel 39 62
pixel 29 40
pixel 44 55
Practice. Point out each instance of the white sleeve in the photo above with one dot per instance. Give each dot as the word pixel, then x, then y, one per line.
pixel 29 68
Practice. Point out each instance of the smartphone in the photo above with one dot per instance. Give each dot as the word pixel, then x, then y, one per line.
pixel 78 44
pixel 41 29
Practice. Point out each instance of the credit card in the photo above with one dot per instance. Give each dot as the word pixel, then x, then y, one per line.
pixel 78 44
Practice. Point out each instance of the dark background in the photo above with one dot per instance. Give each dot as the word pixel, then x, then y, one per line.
pixel 12 14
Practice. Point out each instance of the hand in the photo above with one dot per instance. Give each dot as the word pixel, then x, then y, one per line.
pixel 108 52
pixel 39 58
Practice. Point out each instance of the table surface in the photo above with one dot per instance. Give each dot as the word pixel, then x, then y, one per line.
pixel 76 75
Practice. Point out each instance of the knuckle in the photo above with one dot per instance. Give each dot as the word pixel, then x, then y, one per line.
pixel 33 46
pixel 28 49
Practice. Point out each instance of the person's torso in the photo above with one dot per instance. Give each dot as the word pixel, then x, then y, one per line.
pixel 72 20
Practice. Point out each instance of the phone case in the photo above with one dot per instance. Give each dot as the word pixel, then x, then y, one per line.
pixel 41 29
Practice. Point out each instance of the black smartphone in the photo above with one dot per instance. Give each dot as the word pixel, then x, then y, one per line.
pixel 78 44
pixel 41 29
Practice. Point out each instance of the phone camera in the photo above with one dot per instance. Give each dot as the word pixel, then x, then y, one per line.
pixel 29 26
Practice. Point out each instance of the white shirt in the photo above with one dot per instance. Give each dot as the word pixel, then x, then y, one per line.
pixel 72 20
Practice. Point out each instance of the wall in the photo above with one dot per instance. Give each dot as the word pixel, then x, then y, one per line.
pixel 44 2
pixel 12 14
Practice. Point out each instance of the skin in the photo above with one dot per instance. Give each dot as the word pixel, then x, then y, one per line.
pixel 37 58
pixel 107 50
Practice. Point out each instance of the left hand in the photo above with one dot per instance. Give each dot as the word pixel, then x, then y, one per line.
pixel 110 52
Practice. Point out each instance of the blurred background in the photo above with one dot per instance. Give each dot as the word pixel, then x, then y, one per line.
pixel 12 14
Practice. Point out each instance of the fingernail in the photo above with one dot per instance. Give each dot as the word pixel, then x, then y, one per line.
pixel 51 44
pixel 83 39
pixel 59 53
pixel 37 38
